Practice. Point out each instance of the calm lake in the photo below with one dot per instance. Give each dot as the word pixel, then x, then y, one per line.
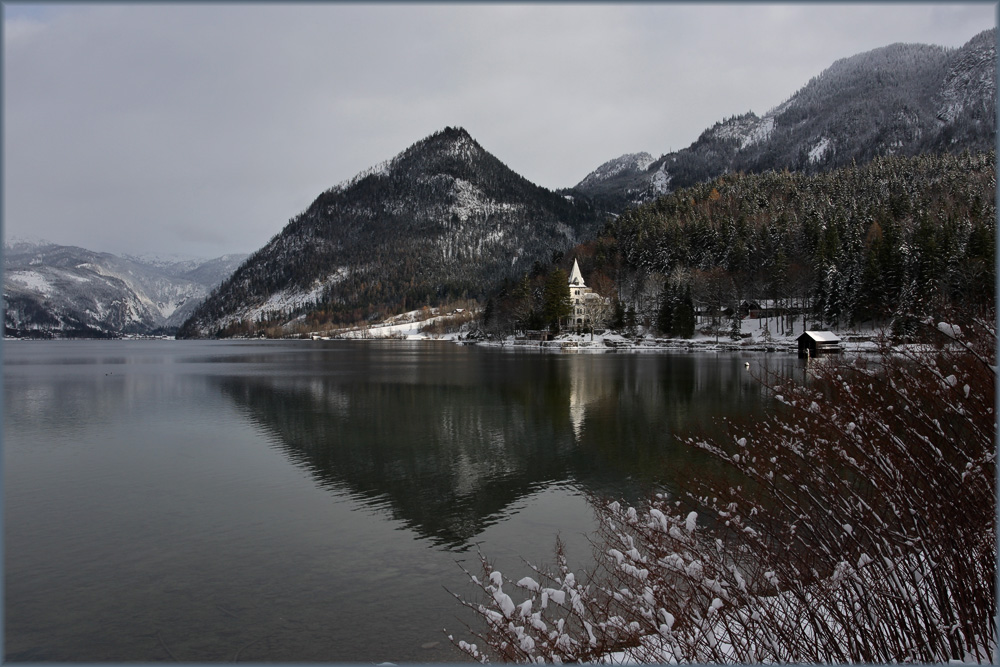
pixel 312 501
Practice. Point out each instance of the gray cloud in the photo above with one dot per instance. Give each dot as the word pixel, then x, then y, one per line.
pixel 201 129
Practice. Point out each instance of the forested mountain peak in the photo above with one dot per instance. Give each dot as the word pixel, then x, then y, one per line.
pixel 444 219
pixel 901 99
pixel 449 151
pixel 881 65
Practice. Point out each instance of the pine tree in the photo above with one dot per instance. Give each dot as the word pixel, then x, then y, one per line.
pixel 735 325
pixel 665 315
pixel 618 317
pixel 682 325
pixel 556 303
pixel 630 322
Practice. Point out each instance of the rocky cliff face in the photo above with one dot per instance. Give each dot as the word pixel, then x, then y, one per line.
pixel 968 96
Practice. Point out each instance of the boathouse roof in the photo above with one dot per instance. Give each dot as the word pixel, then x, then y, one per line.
pixel 821 336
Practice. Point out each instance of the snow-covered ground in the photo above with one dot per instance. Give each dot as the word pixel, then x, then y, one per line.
pixel 405 326
pixel 33 280
pixel 819 151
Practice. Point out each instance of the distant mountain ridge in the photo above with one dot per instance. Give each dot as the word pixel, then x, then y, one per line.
pixel 65 290
pixel 442 220
pixel 615 176
pixel 902 99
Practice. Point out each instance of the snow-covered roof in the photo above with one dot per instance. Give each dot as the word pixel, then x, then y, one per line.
pixel 576 278
pixel 822 336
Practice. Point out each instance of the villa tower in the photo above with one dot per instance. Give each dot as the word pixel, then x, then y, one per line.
pixel 586 301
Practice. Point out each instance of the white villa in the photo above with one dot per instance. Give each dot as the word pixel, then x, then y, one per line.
pixel 587 303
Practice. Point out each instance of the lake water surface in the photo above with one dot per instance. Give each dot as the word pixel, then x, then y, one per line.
pixel 311 501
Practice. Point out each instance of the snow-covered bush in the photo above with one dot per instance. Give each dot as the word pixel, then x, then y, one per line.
pixel 560 619
pixel 862 531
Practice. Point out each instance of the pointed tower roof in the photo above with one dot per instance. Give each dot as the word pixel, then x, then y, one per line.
pixel 576 278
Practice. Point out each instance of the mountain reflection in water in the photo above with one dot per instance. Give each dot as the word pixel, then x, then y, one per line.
pixel 447 445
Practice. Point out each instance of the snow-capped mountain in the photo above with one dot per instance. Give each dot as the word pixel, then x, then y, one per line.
pixel 54 288
pixel 902 99
pixel 444 219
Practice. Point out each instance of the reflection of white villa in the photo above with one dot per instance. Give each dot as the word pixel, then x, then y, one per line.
pixel 586 302
pixel 585 387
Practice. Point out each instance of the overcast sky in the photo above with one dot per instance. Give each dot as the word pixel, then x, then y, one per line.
pixel 200 130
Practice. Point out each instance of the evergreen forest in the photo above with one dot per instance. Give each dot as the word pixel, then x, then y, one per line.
pixel 885 245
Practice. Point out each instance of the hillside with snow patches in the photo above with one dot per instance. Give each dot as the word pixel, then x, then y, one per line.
pixel 902 99
pixel 65 290
pixel 442 220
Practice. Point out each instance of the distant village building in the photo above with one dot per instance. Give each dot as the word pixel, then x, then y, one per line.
pixel 764 308
pixel 756 310
pixel 818 343
pixel 587 304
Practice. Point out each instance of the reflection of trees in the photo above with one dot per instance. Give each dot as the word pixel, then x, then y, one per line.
pixel 444 459
pixel 447 448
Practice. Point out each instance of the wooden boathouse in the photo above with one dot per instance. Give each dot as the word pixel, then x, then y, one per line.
pixel 818 343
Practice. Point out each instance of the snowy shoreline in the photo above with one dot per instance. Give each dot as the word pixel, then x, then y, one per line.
pixel 611 343
pixel 755 338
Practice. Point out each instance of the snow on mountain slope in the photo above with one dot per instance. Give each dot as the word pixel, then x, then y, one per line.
pixel 745 130
pixel 64 288
pixel 626 164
